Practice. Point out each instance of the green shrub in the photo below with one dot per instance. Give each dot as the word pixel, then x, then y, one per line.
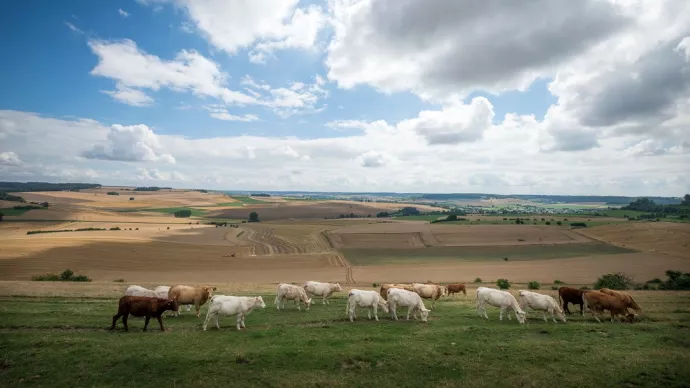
pixel 614 281
pixel 533 285
pixel 654 281
pixel 119 280
pixel 115 228
pixel 548 222
pixel 46 278
pixel 557 282
pixel 578 225
pixel 88 229
pixel 676 281
pixel 503 284
pixel 48 231
pixel 66 274
pixel 477 280
pixel 183 213
pixel 113 193
pixel 554 287
pixel 374 284
pixel 559 223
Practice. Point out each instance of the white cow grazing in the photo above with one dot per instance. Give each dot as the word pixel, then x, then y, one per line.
pixel 399 297
pixel 321 289
pixel 542 302
pixel 362 298
pixel 134 290
pixel 232 305
pixel 498 298
pixel 428 291
pixel 162 292
pixel 291 292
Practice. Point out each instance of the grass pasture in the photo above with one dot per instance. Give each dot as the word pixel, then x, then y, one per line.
pixel 63 342
pixel 364 256
pixel 14 212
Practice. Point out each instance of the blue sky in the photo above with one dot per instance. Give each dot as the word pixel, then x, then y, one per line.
pixel 344 96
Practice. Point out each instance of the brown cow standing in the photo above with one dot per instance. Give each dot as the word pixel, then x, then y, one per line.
pixel 456 287
pixel 598 302
pixel 624 297
pixel 385 287
pixel 571 295
pixel 143 306
pixel 191 295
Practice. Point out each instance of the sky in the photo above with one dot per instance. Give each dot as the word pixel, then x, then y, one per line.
pixel 588 97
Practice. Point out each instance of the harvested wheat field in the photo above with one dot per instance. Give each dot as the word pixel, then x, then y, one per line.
pixel 304 210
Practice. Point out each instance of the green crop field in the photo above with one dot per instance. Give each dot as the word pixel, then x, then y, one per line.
pixel 372 256
pixel 171 210
pixel 244 199
pixel 64 342
pixel 14 212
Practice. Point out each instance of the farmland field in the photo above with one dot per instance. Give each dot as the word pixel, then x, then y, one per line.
pixel 60 339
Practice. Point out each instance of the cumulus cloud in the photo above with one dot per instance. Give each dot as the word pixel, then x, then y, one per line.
pixel 9 159
pixel 133 143
pixel 265 26
pixel 436 49
pixel 374 159
pixel 153 174
pixel 134 70
pixel 123 13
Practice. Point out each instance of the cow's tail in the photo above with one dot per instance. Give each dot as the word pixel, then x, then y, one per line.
pixel 634 305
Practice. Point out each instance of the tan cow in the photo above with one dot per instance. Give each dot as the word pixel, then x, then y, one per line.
pixel 624 297
pixel 386 286
pixel 598 302
pixel 190 295
pixel 428 291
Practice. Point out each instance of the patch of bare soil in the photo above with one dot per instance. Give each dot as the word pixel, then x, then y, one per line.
pixel 668 238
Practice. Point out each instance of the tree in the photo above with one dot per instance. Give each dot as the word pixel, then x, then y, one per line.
pixel 183 213
pixel 452 217
pixel 253 217
pixel 686 200
pixel 1 215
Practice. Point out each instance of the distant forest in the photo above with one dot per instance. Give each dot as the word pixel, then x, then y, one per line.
pixel 44 186
pixel 609 200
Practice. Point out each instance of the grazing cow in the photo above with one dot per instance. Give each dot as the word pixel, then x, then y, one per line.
pixel 444 290
pixel 369 299
pixel 625 298
pixel 191 295
pixel 232 305
pixel 162 292
pixel 291 292
pixel 399 297
pixel 324 290
pixel 134 290
pixel 542 302
pixel 402 286
pixel 143 306
pixel 571 295
pixel 428 291
pixel 457 287
pixel 498 298
pixel 598 301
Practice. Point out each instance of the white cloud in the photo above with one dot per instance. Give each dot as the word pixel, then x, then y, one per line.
pixel 9 159
pixel 133 143
pixel 73 28
pixel 153 174
pixel 220 113
pixel 374 159
pixel 437 49
pixel 129 96
pixel 265 26
pixel 123 13
pixel 134 69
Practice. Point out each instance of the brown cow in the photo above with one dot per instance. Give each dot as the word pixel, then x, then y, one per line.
pixel 571 295
pixel 457 287
pixel 385 287
pixel 190 295
pixel 598 302
pixel 624 297
pixel 143 306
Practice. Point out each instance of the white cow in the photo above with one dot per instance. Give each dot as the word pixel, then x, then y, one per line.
pixel 321 289
pixel 542 302
pixel 232 305
pixel 498 298
pixel 162 292
pixel 399 297
pixel 291 292
pixel 134 290
pixel 428 291
pixel 362 298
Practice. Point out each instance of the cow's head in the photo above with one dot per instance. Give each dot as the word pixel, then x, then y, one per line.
pixel 209 291
pixel 520 315
pixel 424 312
pixel 444 291
pixel 383 305
pixel 338 288
pixel 172 304
pixel 630 317
pixel 259 302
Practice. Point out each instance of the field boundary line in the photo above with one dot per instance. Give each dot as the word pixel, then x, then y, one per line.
pixel 341 258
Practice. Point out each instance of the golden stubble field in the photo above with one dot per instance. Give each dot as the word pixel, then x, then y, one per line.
pixel 162 249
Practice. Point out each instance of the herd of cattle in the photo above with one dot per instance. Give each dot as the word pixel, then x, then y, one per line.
pixel 142 302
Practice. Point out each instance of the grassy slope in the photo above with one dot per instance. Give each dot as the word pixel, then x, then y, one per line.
pixel 364 256
pixel 246 199
pixel 62 342
pixel 14 212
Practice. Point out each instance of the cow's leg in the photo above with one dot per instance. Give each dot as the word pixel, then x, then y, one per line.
pixel 394 313
pixel 239 321
pixel 146 322
pixel 369 312
pixel 115 318
pixel 243 325
pixel 208 317
pixel 376 312
pixel 160 321
pixel 546 320
pixel 500 316
pixel 197 305
pixel 565 307
pixel 124 321
pixel 215 318
pixel 410 310
pixel 189 307
pixel 582 309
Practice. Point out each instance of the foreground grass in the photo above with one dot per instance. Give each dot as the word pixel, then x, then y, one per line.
pixel 372 256
pixel 56 342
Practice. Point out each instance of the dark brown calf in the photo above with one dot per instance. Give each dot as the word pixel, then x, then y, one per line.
pixel 457 287
pixel 143 306
pixel 571 295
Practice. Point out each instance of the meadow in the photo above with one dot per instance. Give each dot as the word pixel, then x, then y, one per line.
pixel 63 341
